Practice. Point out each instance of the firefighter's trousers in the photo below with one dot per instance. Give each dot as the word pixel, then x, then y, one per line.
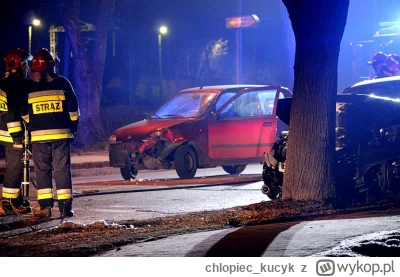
pixel 13 176
pixel 57 155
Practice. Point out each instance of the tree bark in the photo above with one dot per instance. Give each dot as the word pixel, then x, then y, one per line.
pixel 318 27
pixel 89 67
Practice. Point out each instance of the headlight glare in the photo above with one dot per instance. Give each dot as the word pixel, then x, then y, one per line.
pixel 155 134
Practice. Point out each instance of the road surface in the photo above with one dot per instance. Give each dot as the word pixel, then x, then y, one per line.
pixel 161 193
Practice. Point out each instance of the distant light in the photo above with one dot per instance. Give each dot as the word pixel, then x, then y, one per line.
pixel 242 21
pixel 35 22
pixel 397 24
pixel 163 30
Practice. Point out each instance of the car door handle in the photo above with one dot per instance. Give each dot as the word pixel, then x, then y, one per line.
pixel 266 124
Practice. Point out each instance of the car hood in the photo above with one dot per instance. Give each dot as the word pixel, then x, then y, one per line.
pixel 139 130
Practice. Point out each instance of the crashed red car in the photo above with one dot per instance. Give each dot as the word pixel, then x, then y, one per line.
pixel 229 126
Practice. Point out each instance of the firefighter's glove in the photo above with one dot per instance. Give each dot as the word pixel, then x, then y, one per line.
pixel 18 146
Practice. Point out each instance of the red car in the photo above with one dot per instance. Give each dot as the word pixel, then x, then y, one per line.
pixel 228 125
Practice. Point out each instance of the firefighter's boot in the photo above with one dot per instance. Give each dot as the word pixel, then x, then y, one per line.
pixel 15 206
pixel 65 208
pixel 43 212
pixel 2 211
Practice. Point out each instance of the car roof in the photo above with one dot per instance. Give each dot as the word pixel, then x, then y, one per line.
pixel 224 87
pixel 376 81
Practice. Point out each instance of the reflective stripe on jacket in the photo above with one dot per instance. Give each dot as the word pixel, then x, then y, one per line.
pixel 5 136
pixel 51 134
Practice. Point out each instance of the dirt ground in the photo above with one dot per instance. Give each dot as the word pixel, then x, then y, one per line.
pixel 71 239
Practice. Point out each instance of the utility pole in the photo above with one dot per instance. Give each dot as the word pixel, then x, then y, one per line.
pixel 239 45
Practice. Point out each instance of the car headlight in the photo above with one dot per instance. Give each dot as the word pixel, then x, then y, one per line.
pixel 163 134
pixel 112 139
pixel 155 134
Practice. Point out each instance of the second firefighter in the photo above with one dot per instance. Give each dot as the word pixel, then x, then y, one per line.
pixel 53 114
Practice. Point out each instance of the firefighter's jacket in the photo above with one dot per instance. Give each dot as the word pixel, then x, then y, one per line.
pixel 12 99
pixel 52 110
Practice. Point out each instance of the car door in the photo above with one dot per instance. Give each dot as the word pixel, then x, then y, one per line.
pixel 244 127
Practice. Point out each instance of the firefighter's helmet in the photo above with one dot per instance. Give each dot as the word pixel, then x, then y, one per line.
pixel 44 61
pixel 15 57
pixel 378 58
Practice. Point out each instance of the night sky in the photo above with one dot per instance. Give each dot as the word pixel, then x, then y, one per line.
pixel 189 22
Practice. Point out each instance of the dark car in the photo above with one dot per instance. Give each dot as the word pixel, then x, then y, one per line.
pixel 367 141
pixel 229 126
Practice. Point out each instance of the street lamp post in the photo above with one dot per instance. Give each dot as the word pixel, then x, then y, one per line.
pixel 162 31
pixel 35 22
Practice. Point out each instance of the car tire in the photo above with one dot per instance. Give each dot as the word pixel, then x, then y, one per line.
pixel 234 169
pixel 129 172
pixel 185 162
pixel 272 182
pixel 271 193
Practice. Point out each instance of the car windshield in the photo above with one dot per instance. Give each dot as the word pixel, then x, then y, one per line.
pixel 185 105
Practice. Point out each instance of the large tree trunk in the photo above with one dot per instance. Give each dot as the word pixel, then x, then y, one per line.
pixel 318 27
pixel 89 67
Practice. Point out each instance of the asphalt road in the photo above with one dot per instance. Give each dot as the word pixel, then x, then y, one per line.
pixel 161 193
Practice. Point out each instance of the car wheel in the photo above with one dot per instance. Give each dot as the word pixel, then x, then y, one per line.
pixel 129 172
pixel 234 169
pixel 185 162
pixel 272 182
pixel 271 193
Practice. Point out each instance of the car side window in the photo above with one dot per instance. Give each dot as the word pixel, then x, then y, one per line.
pixel 251 104
pixel 267 100
pixel 223 99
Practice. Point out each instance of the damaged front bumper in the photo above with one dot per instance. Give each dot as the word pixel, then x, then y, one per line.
pixel 149 154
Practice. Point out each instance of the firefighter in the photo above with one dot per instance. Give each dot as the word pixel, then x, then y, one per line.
pixel 52 114
pixel 11 129
pixel 380 65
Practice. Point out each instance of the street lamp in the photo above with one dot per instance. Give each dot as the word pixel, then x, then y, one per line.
pixel 35 22
pixel 162 31
pixel 238 23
